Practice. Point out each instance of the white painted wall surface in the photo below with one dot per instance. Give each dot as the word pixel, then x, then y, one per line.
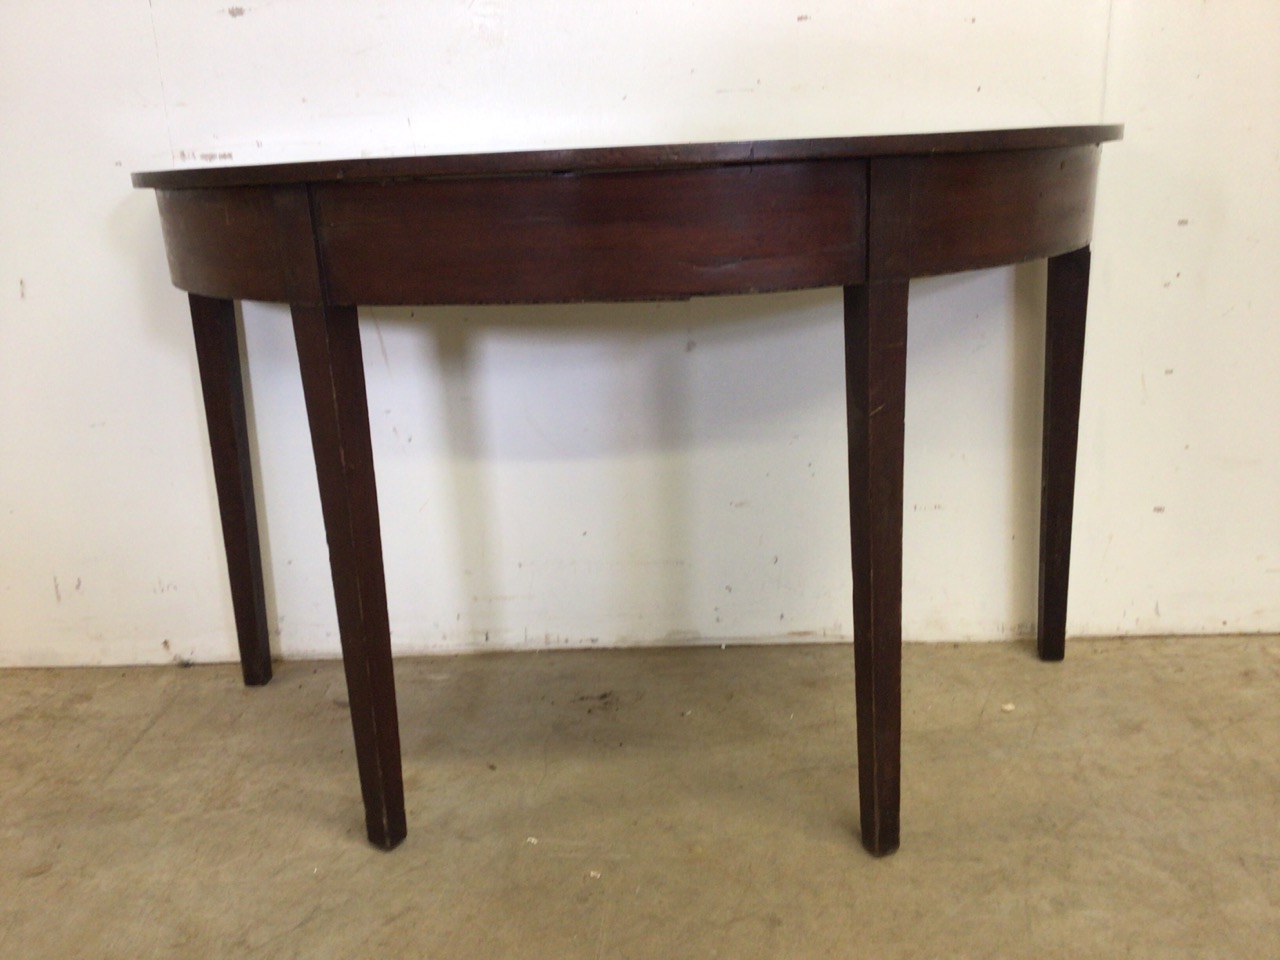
pixel 637 473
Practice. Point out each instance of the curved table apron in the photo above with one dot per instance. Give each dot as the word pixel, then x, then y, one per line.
pixel 865 214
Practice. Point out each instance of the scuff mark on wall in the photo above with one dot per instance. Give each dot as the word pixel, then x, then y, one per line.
pixel 488 20
pixel 164 96
pixel 208 156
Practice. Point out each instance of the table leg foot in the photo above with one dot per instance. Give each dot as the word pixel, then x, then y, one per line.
pixel 875 331
pixel 1064 361
pixel 328 340
pixel 213 322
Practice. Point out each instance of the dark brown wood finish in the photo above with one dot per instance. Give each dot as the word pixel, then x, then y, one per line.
pixel 875 345
pixel 610 236
pixel 651 222
pixel 328 339
pixel 634 158
pixel 221 382
pixel 337 409
pixel 1015 205
pixel 225 242
pixel 1067 299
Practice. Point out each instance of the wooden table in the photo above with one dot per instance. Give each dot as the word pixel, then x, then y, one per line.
pixel 635 223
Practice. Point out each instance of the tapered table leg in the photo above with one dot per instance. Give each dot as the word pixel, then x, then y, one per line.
pixel 218 355
pixel 1064 360
pixel 875 337
pixel 328 340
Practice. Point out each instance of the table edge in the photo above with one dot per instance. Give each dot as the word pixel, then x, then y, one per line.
pixel 629 158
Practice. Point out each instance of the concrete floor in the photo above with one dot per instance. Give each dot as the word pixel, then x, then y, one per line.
pixel 666 803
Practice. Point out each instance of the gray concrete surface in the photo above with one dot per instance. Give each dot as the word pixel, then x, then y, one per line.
pixel 664 803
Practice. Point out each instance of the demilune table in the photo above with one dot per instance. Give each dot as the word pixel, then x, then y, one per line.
pixel 631 223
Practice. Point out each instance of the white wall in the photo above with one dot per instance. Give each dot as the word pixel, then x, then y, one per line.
pixel 637 473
